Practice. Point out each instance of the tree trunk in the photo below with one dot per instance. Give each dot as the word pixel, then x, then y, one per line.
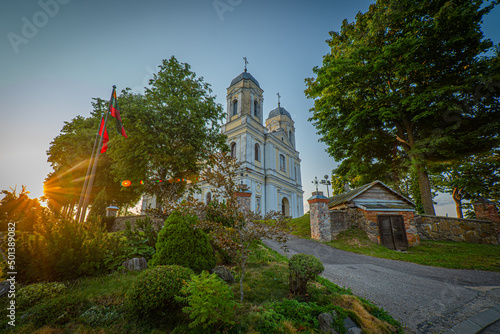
pixel 425 190
pixel 457 197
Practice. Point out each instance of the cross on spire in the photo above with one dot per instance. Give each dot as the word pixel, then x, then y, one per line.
pixel 246 62
pixel 278 98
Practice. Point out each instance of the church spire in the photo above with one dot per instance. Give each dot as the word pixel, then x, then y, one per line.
pixel 246 62
pixel 278 99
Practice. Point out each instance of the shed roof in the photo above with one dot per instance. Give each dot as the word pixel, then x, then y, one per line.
pixel 352 194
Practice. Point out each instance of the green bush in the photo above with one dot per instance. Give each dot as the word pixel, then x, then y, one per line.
pixel 58 311
pixel 210 301
pixel 34 293
pixel 140 239
pixel 181 244
pixel 63 250
pixel 154 289
pixel 303 268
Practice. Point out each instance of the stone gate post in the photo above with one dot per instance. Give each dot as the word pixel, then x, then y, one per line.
pixel 320 217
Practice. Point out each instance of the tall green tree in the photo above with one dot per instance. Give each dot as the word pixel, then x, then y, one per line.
pixel 172 133
pixel 69 154
pixel 408 81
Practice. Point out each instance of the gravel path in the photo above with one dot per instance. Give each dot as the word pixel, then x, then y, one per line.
pixel 424 299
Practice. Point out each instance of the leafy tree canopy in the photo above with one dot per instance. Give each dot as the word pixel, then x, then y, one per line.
pixel 408 83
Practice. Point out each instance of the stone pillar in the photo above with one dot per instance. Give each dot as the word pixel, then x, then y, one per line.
pixel 244 200
pixel 320 217
pixel 486 210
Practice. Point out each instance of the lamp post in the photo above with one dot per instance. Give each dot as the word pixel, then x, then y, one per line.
pixel 327 183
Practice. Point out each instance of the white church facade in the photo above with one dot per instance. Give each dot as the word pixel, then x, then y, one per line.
pixel 270 163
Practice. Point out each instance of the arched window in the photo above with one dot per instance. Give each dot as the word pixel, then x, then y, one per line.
pixel 282 163
pixel 257 152
pixel 209 197
pixel 235 108
pixel 256 108
pixel 233 150
pixel 290 134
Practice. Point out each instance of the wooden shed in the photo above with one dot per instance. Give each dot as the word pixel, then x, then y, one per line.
pixel 387 216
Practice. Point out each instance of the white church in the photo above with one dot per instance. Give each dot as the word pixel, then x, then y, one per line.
pixel 270 164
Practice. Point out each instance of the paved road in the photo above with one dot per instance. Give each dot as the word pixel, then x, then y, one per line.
pixel 424 299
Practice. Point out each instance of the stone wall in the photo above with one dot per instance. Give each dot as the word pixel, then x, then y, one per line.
pixel 457 229
pixel 340 221
pixel 119 224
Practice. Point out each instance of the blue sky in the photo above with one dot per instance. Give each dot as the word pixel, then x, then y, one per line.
pixel 56 55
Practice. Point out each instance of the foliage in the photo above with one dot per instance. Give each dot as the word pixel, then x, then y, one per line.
pixel 406 84
pixel 470 179
pixel 34 293
pixel 210 301
pixel 153 291
pixel 100 315
pixel 69 154
pixel 141 239
pixel 172 129
pixel 303 268
pixel 58 311
pixel 232 226
pixel 182 244
pixel 18 208
pixel 63 250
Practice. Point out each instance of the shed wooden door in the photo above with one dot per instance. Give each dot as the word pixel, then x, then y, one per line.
pixel 392 232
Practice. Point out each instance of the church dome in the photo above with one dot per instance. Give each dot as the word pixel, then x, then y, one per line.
pixel 279 111
pixel 244 75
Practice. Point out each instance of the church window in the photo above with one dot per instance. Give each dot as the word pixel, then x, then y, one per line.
pixel 282 163
pixel 257 152
pixel 256 108
pixel 235 107
pixel 233 150
pixel 290 134
pixel 209 197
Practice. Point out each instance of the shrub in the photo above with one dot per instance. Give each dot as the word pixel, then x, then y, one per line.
pixel 100 315
pixel 60 311
pixel 34 293
pixel 63 250
pixel 154 289
pixel 210 301
pixel 181 244
pixel 303 268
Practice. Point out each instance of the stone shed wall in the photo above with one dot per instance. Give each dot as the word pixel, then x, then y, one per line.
pixel 119 224
pixel 370 225
pixel 457 229
pixel 340 221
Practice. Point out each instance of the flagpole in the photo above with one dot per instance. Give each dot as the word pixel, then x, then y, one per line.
pixel 87 175
pixel 96 160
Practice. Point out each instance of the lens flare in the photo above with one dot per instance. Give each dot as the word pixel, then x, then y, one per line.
pixel 126 183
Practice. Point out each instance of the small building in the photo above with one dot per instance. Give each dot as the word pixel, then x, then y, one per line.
pixel 387 216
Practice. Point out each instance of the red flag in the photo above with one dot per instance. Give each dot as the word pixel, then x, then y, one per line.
pixel 105 138
pixel 115 112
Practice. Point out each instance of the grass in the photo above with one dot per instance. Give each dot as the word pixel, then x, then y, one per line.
pixel 446 254
pixel 97 305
